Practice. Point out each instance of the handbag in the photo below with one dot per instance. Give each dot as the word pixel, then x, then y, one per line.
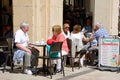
pixel 35 54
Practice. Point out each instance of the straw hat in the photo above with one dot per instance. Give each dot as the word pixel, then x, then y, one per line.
pixel 76 29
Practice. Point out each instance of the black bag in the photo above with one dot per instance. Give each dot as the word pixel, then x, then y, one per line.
pixel 2 58
pixel 35 54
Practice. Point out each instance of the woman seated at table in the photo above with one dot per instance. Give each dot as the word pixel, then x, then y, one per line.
pixel 77 42
pixel 58 37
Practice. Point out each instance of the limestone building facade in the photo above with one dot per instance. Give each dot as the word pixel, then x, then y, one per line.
pixel 43 14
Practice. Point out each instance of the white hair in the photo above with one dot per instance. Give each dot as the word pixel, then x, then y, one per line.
pixel 99 25
pixel 23 24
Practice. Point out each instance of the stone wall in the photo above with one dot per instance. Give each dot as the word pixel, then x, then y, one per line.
pixel 40 14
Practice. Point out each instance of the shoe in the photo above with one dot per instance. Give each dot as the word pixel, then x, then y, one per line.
pixel 85 63
pixel 58 70
pixel 27 71
pixel 76 64
pixel 3 65
pixel 34 70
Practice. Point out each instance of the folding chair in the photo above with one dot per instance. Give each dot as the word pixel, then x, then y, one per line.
pixel 52 49
pixel 56 48
pixel 69 43
pixel 13 48
pixel 72 58
pixel 5 45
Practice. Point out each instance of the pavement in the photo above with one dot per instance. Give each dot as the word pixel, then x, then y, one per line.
pixel 84 73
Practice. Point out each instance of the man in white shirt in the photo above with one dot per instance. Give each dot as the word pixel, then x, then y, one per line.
pixel 21 41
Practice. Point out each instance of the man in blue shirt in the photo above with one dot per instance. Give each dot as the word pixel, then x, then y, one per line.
pixel 99 32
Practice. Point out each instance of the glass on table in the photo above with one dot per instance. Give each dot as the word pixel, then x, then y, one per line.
pixel 37 42
pixel 42 42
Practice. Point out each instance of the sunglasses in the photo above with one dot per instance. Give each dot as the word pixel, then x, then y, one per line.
pixel 66 27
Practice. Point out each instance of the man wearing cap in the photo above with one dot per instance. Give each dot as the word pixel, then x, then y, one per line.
pixel 21 41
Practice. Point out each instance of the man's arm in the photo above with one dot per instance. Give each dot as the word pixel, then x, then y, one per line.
pixel 91 37
pixel 23 48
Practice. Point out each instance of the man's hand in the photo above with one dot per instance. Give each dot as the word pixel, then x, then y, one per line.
pixel 23 48
pixel 28 50
pixel 30 46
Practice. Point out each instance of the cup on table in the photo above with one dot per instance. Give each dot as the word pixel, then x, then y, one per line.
pixel 37 42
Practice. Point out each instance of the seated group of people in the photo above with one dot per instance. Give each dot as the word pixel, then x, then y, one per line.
pixel 84 41
pixel 23 46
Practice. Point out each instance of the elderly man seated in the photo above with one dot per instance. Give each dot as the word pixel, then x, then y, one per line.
pixel 21 41
pixel 99 31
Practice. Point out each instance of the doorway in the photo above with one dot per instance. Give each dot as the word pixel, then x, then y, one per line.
pixel 76 12
pixel 6 19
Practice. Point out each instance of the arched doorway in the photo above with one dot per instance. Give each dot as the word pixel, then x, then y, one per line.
pixel 6 21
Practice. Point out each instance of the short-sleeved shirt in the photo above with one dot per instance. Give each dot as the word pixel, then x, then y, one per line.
pixel 77 40
pixel 67 35
pixel 22 38
pixel 59 38
pixel 100 33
